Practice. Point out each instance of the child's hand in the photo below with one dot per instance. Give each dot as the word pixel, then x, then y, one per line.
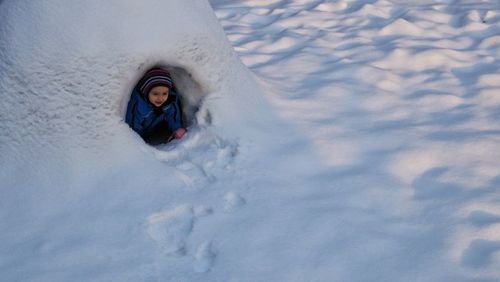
pixel 179 133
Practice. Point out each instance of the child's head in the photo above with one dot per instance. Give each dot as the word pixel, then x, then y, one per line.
pixel 156 85
pixel 158 95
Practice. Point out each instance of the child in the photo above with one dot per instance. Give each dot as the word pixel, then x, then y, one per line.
pixel 154 110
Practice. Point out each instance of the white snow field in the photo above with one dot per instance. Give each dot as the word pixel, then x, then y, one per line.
pixel 338 141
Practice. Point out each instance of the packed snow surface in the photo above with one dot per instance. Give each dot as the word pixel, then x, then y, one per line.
pixel 328 141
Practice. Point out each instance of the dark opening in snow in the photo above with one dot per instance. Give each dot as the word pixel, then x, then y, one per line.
pixel 190 91
pixel 155 124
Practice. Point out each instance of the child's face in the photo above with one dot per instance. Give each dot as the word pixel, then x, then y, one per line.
pixel 158 95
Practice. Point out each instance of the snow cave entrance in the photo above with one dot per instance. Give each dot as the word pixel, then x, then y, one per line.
pixel 190 92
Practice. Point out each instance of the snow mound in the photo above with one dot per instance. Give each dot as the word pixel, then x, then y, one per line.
pixel 65 95
pixel 70 161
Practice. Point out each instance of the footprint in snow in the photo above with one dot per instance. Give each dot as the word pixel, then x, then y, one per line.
pixel 192 174
pixel 232 202
pixel 170 228
pixel 204 257
pixel 199 158
pixel 202 211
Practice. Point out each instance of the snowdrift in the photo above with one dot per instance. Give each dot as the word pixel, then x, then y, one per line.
pixel 78 185
pixel 68 68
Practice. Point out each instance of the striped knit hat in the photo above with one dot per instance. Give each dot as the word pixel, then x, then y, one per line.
pixel 155 77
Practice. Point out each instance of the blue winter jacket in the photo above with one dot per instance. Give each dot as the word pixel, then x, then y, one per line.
pixel 154 125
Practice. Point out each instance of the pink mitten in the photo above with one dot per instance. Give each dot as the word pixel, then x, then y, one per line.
pixel 179 133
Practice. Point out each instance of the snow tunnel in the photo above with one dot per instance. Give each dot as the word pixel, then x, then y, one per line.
pixel 69 76
pixel 191 93
pixel 188 89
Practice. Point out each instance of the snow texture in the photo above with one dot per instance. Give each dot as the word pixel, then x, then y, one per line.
pixel 233 201
pixel 204 257
pixel 170 228
pixel 328 141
